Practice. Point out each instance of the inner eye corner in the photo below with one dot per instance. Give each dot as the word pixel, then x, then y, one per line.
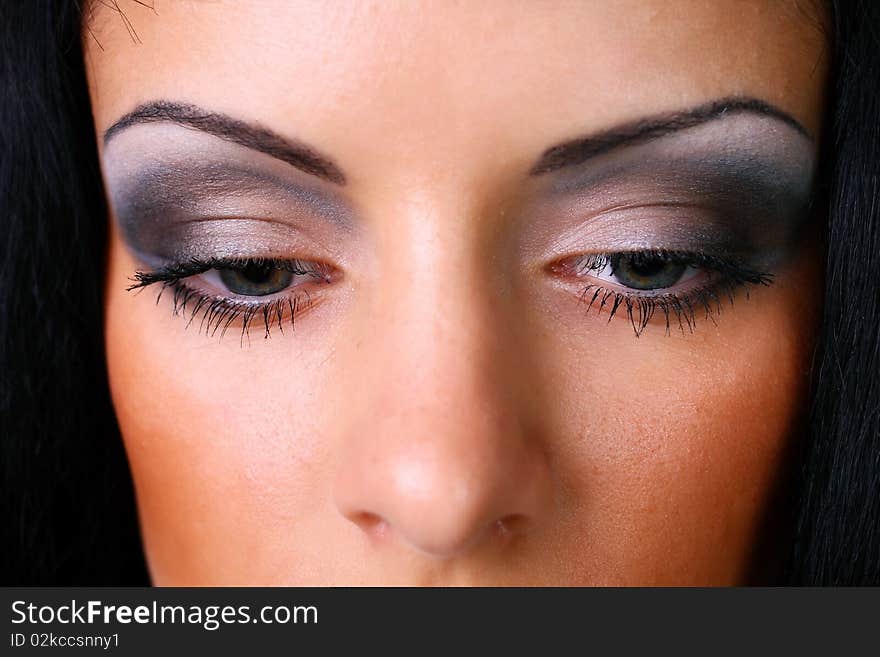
pixel 555 267
pixel 567 264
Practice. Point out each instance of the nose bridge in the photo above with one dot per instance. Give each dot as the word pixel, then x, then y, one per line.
pixel 438 315
pixel 445 312
pixel 439 452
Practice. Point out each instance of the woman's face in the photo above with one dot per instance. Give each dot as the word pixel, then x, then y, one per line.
pixel 458 293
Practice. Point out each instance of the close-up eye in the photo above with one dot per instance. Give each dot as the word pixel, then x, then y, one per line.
pixel 223 290
pixel 681 285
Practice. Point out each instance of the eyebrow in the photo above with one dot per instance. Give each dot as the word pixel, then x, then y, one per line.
pixel 578 151
pixel 249 135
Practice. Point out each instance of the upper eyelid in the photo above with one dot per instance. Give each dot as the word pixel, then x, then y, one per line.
pixel 685 228
pixel 194 191
pixel 175 272
pixel 207 237
pixel 160 189
pixel 586 263
pixel 634 208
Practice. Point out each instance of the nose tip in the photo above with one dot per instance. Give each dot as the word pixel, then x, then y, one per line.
pixel 440 446
pixel 441 507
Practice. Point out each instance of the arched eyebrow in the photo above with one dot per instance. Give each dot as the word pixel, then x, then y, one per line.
pixel 249 135
pixel 578 151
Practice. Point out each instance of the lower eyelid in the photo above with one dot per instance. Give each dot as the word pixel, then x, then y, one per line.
pixel 214 314
pixel 713 282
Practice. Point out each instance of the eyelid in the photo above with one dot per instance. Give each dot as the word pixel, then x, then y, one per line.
pixel 146 160
pixel 722 280
pixel 645 227
pixel 219 310
pixel 578 264
pixel 235 236
pixel 179 270
pixel 721 194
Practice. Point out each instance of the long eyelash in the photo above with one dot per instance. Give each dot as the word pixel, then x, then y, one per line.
pixel 218 313
pixel 180 270
pixel 640 309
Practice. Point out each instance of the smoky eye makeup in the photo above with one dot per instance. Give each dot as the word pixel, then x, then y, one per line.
pixel 234 237
pixel 664 231
pixel 670 231
pixel 177 193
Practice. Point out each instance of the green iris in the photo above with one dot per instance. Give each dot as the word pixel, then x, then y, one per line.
pixel 255 279
pixel 646 271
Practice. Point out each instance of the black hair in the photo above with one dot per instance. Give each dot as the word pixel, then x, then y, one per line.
pixel 838 530
pixel 67 497
pixel 68 505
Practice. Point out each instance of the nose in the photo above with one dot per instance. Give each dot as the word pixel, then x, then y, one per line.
pixel 438 453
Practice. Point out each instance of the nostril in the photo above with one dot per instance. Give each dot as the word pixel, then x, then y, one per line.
pixel 501 532
pixel 370 523
pixel 504 529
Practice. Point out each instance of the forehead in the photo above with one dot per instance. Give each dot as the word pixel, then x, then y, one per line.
pixel 452 78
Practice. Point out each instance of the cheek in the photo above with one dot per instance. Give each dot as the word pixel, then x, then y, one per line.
pixel 225 441
pixel 676 443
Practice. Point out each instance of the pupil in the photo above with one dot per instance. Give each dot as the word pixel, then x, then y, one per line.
pixel 646 266
pixel 256 273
